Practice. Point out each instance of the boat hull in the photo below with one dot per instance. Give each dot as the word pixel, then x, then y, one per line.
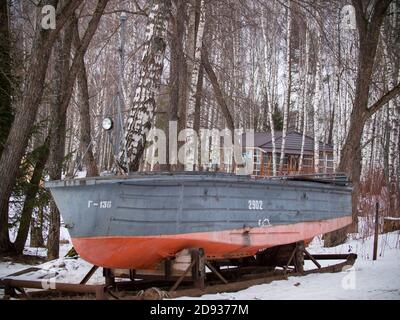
pixel 136 222
pixel 145 252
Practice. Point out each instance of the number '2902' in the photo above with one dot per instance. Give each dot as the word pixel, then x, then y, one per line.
pixel 255 204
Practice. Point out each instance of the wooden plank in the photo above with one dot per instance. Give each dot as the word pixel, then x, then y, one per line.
pixel 211 267
pixel 89 275
pixel 312 258
pixel 178 282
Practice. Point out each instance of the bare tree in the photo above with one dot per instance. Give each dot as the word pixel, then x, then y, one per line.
pixel 369 19
pixel 217 90
pixel 63 81
pixel 25 116
pixel 317 106
pixel 62 53
pixel 267 100
pixel 86 145
pixel 177 69
pixel 142 111
pixel 191 115
pixel 305 99
pixel 6 114
pixel 289 85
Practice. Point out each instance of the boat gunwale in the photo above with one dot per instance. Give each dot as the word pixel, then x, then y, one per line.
pixel 141 179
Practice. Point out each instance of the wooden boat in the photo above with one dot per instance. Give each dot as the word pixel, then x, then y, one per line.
pixel 136 221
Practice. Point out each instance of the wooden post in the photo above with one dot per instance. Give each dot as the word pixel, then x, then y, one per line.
pixel 262 173
pixel 109 277
pixel 299 257
pixel 376 231
pixel 198 270
pixel 89 274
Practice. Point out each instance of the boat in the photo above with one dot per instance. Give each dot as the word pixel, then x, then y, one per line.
pixel 137 221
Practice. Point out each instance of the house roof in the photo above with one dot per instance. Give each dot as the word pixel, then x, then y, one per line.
pixel 292 144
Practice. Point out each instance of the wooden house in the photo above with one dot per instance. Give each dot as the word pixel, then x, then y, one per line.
pixel 263 148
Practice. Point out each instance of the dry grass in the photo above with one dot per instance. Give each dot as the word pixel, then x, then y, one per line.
pixel 374 188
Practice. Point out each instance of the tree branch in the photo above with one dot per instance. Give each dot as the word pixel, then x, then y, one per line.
pixel 217 89
pixel 62 16
pixel 360 17
pixel 380 9
pixel 80 52
pixel 383 100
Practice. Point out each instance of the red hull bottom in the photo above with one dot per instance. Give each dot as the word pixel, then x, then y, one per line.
pixel 145 252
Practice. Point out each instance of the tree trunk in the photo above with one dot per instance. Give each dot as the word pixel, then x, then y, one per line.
pixel 177 73
pixel 305 101
pixel 191 153
pixel 217 90
pixel 368 25
pixel 368 29
pixel 286 107
pixel 197 109
pixel 25 116
pixel 191 38
pixel 268 101
pixel 194 76
pixel 30 197
pixel 37 240
pixel 86 147
pixel 317 102
pixel 6 113
pixel 220 100
pixel 63 83
pixel 62 52
pixel 337 102
pixel 142 111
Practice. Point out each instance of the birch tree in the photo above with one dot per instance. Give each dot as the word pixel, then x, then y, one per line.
pixel 143 106
pixel 289 85
pixel 305 98
pixel 267 101
pixel 317 102
pixel 191 153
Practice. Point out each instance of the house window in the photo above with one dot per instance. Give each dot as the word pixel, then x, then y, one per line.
pixel 257 162
pixel 326 164
pixel 308 164
pixel 330 163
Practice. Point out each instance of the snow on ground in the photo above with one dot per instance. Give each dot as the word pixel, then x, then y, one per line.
pixel 367 279
pixel 65 269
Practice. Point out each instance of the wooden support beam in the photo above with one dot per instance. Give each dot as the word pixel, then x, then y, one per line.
pixel 290 259
pixel 299 257
pixel 211 267
pixel 109 277
pixel 87 277
pixel 312 258
pixel 376 234
pixel 199 268
pixel 178 282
